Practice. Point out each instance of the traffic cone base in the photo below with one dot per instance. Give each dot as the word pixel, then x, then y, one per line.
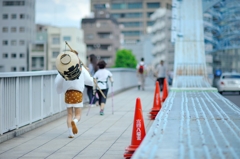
pixel 132 148
pixel 138 132
pixel 156 101
pixel 165 90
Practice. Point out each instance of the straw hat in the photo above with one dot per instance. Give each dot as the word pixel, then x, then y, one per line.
pixel 67 64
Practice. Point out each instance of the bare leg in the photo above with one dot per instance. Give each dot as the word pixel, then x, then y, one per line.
pixel 69 119
pixel 78 112
pixel 102 106
pixel 69 116
pixel 76 120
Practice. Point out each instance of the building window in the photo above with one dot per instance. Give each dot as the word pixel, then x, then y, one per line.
pixel 22 68
pixel 13 3
pixel 55 40
pixel 13 29
pixel 14 16
pixel 5 55
pixel 67 38
pixel 5 16
pixel 149 14
pixel 22 16
pixel 5 29
pixel 21 29
pixel 132 33
pixel 132 24
pixel 89 36
pixel 55 54
pixel 13 42
pixel 154 5
pixel 21 55
pixel 13 68
pixel 13 55
pixel 133 15
pixel 150 23
pixel 134 5
pixel 104 35
pixel 119 6
pixel 169 6
pixel 37 62
pixel 5 42
pixel 21 42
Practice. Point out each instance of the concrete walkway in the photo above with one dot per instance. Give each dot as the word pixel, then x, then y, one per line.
pixel 104 137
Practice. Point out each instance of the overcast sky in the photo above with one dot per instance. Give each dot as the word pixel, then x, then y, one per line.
pixel 62 13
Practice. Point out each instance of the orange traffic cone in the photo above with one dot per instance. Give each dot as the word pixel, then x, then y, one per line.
pixel 157 105
pixel 165 90
pixel 138 132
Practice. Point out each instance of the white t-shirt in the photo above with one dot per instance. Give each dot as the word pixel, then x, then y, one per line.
pixel 102 76
pixel 161 69
pixel 62 85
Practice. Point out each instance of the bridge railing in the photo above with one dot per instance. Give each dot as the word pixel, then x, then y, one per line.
pixel 27 97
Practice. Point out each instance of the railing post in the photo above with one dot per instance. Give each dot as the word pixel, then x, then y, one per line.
pixel 1 106
pixel 51 102
pixel 30 99
pixel 41 97
pixel 17 103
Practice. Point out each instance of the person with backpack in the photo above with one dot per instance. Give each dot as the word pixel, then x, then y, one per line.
pixel 141 73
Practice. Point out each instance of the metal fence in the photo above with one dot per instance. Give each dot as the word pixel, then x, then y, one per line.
pixel 26 97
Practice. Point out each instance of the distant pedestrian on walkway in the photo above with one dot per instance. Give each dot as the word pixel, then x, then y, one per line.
pixel 101 77
pixel 70 80
pixel 92 66
pixel 161 73
pixel 141 74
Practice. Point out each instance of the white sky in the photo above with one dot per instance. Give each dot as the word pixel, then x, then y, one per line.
pixel 62 13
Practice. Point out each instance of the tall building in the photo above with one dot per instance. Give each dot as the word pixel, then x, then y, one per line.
pixel 102 36
pixel 17 30
pixel 163 47
pixel 133 15
pixel 221 33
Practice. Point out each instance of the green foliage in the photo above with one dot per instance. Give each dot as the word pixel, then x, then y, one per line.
pixel 125 59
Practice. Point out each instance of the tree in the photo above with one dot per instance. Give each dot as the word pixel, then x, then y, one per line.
pixel 125 59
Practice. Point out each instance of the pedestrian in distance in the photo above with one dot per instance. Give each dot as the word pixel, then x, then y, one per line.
pixel 71 80
pixel 101 79
pixel 92 68
pixel 141 74
pixel 161 74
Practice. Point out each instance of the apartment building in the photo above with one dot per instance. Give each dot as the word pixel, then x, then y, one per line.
pixel 163 47
pixel 38 51
pixel 133 15
pixel 56 43
pixel 102 36
pixel 17 30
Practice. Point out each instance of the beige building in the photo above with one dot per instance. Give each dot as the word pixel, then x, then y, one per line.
pixel 56 43
pixel 49 42
pixel 102 37
pixel 134 15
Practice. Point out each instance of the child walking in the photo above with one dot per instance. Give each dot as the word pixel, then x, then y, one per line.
pixel 101 78
pixel 71 80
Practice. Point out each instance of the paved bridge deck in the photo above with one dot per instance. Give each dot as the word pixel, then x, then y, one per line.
pixel 191 124
pixel 103 137
pixel 194 124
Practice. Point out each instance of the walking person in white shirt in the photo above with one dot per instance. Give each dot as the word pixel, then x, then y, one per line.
pixel 101 77
pixel 161 74
pixel 141 73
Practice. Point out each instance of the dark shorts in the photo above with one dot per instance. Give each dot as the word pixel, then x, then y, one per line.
pixel 101 98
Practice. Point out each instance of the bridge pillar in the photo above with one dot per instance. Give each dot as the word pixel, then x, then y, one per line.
pixel 188 36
